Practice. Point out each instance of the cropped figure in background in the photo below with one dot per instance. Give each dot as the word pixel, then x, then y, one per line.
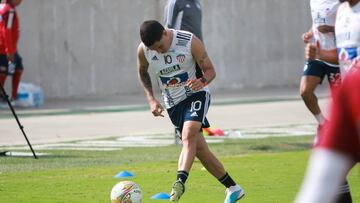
pixel 338 146
pixel 321 37
pixel 10 60
pixel 184 15
pixel 322 33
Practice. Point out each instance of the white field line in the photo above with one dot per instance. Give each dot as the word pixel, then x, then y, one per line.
pixel 166 140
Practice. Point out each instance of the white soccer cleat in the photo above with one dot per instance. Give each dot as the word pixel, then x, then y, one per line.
pixel 233 194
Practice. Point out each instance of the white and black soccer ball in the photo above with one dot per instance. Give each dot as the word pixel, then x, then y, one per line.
pixel 126 192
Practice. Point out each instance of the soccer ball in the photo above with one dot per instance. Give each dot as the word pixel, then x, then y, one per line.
pixel 126 192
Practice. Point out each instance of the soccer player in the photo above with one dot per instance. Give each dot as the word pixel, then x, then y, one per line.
pixel 323 13
pixel 321 55
pixel 184 15
pixel 338 148
pixel 171 56
pixel 10 60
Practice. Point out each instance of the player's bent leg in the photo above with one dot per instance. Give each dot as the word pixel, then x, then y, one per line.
pixel 189 134
pixel 208 159
pixel 233 192
pixel 308 85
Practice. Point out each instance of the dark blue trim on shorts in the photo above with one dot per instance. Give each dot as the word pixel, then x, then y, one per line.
pixel 320 69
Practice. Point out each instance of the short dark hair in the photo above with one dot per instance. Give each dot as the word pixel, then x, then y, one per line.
pixel 150 32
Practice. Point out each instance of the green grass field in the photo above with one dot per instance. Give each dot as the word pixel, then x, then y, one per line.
pixel 270 170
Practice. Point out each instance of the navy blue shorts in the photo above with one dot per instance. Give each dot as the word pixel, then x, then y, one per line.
pixel 194 108
pixel 320 69
pixel 4 63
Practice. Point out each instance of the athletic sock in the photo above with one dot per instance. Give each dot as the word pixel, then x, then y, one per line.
pixel 320 118
pixel 182 176
pixel 227 181
pixel 15 83
pixel 344 194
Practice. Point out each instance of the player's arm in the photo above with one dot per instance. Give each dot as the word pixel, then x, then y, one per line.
pixel 314 51
pixel 145 80
pixel 199 53
pixel 330 56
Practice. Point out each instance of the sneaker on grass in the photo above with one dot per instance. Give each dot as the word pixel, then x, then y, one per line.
pixel 177 190
pixel 233 194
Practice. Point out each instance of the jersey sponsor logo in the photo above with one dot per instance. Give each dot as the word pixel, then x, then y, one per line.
pixel 174 81
pixel 155 58
pixel 347 57
pixel 168 70
pixel 347 53
pixel 180 58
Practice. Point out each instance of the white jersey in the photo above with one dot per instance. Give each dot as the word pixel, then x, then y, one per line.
pixel 174 68
pixel 323 12
pixel 347 31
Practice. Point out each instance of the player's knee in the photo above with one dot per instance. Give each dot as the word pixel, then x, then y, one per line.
pixel 306 93
pixel 188 137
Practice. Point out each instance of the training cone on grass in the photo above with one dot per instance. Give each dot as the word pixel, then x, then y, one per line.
pixel 213 132
pixel 124 174
pixel 161 196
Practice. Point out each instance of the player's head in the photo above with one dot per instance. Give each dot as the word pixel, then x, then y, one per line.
pixel 153 35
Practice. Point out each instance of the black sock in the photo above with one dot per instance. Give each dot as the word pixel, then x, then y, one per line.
pixel 182 176
pixel 227 181
pixel 344 194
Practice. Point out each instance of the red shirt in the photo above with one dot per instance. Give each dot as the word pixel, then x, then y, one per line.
pixel 342 132
pixel 9 29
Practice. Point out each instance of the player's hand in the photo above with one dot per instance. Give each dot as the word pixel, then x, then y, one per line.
pixel 326 29
pixel 195 84
pixel 312 51
pixel 156 108
pixel 307 36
